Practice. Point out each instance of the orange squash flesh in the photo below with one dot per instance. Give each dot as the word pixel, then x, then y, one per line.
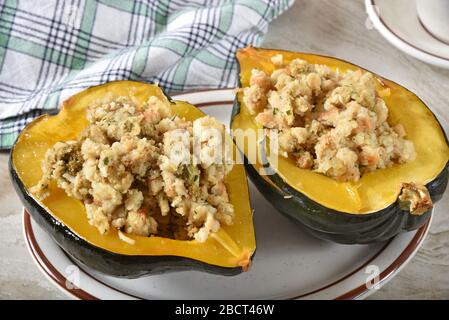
pixel 376 190
pixel 230 247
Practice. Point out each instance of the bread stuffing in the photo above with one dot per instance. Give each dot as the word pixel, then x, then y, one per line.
pixel 330 122
pixel 134 169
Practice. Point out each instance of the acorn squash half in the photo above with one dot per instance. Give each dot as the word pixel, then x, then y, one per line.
pixel 227 252
pixel 362 212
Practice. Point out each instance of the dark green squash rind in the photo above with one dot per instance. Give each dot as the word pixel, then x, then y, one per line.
pixel 337 226
pixel 104 261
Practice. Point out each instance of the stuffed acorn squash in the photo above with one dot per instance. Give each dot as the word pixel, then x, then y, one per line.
pixel 351 208
pixel 102 244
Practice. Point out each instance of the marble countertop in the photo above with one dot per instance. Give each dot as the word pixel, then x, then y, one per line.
pixel 330 27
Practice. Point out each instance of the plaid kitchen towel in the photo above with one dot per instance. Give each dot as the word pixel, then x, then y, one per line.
pixel 49 50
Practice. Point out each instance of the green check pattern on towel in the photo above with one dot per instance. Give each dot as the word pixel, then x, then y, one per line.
pixel 50 50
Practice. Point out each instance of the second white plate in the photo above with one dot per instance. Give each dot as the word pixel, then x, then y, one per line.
pixel 398 22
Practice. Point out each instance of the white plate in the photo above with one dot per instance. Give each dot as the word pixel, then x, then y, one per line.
pixel 398 22
pixel 289 263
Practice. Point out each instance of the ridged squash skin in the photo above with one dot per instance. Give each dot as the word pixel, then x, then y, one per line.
pixel 341 227
pixel 320 212
pixel 228 252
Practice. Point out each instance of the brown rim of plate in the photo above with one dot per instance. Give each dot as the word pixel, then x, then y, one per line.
pixel 79 293
pixel 204 104
pixel 181 93
pixel 374 4
pixel 430 32
pixel 62 282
